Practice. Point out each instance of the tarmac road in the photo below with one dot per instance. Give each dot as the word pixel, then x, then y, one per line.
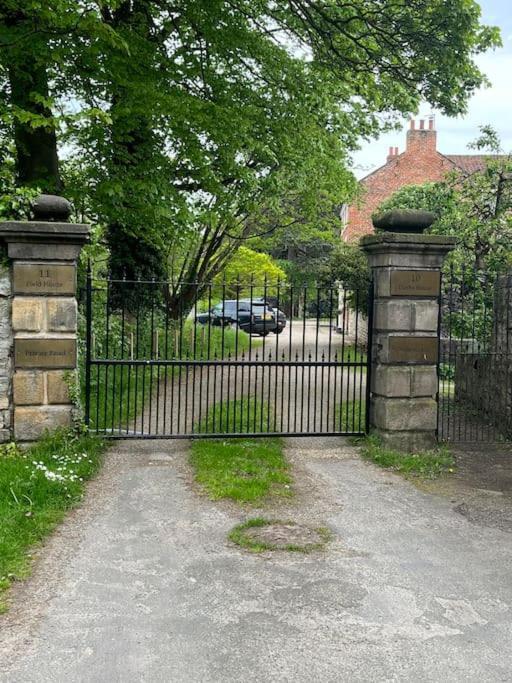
pixel 140 584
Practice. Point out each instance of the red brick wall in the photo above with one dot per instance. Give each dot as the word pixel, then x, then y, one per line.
pixel 419 163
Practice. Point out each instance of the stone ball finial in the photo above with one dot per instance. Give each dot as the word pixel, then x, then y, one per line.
pixel 51 207
pixel 404 220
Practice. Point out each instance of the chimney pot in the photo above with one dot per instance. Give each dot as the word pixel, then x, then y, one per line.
pixel 422 124
pixel 431 123
pixel 396 151
pixel 413 124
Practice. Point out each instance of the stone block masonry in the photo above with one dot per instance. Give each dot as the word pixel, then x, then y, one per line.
pixel 5 355
pixel 38 323
pixel 403 388
pixel 41 398
pixel 483 384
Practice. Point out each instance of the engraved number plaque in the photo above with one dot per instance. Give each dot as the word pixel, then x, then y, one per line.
pixel 415 282
pixel 32 278
pixel 413 349
pixel 45 353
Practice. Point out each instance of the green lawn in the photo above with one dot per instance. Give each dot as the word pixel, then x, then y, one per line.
pixel 37 487
pixel 244 470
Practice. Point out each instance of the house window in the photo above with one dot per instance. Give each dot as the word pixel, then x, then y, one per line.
pixel 344 215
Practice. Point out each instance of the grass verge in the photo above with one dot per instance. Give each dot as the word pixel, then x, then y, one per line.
pixel 427 464
pixel 37 487
pixel 243 470
pixel 240 537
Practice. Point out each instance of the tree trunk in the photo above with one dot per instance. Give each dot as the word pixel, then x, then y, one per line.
pixel 37 162
pixel 133 141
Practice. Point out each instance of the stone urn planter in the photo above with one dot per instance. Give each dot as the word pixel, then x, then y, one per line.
pixel 404 220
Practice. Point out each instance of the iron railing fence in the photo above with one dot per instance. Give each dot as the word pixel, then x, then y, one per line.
pixel 475 357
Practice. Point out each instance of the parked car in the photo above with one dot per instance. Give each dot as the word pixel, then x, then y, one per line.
pixel 252 317
pixel 278 314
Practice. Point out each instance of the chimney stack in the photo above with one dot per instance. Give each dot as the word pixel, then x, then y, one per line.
pixel 421 141
pixel 393 152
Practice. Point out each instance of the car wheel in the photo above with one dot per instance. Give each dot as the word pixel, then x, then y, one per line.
pixel 264 333
pixel 279 330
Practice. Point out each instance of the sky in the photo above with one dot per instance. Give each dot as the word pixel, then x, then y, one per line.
pixel 491 105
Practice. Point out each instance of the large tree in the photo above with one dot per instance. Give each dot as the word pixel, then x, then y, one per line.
pixel 192 117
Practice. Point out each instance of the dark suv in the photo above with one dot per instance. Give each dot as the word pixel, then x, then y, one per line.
pixel 278 315
pixel 254 318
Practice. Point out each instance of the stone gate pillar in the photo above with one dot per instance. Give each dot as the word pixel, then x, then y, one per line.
pixel 406 274
pixel 43 257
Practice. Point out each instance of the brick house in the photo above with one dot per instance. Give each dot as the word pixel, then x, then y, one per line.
pixel 419 163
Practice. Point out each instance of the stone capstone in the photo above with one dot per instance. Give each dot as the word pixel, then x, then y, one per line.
pixel 404 220
pixel 51 207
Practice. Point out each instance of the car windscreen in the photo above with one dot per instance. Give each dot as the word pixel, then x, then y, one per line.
pixel 226 307
pixel 255 307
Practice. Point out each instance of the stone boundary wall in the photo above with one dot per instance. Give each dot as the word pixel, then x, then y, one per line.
pixel 484 383
pixel 483 378
pixel 349 323
pixel 346 322
pixel 6 345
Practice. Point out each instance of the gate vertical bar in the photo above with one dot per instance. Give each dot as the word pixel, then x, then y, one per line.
pixel 88 340
pixel 369 347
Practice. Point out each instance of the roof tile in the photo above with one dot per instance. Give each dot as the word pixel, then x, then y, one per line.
pixel 469 162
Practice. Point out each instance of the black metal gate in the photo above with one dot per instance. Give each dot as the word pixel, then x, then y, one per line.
pixel 475 360
pixel 195 360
